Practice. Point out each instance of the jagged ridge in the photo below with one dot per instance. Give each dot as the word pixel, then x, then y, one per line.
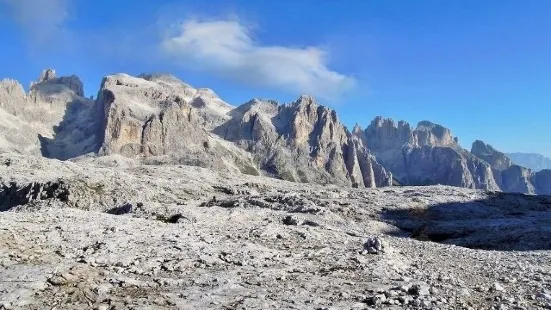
pixel 159 119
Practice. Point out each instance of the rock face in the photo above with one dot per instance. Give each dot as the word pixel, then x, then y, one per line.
pixel 516 179
pixel 509 177
pixel 72 82
pixel 160 118
pixel 52 119
pixel 497 160
pixel 426 155
pixel 542 182
pixel 303 142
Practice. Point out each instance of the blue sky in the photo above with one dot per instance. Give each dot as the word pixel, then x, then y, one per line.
pixel 480 68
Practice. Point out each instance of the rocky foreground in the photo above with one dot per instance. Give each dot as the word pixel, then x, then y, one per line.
pixel 108 233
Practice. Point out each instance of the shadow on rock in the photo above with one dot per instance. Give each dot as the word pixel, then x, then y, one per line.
pixel 501 221
pixel 13 194
pixel 77 134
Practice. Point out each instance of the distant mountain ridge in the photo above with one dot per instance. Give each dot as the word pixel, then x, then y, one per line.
pixel 426 155
pixel 159 119
pixel 536 162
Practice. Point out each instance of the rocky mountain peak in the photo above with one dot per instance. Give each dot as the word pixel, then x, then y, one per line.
pixel 496 159
pixel 428 154
pixel 357 130
pixel 481 148
pixel 158 118
pixel 46 75
pixel 429 133
pixel 305 100
pixel 422 125
pixel 384 134
pixel 11 87
pixel 380 121
pixel 303 141
pixel 162 77
pixel 509 177
pixel 267 108
pixel 12 99
pixel 207 93
pixel 48 83
pixel 311 120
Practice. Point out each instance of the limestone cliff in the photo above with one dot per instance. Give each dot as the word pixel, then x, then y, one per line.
pixel 161 119
pixel 156 118
pixel 510 177
pixel 542 182
pixel 303 141
pixel 52 119
pixel 428 154
pixel 497 160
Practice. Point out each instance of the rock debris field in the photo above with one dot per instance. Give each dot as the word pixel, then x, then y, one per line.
pixel 109 233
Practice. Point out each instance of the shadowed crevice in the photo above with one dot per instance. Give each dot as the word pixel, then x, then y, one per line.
pixel 502 221
pixel 77 134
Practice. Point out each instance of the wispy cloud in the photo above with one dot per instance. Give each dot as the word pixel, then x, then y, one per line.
pixel 42 20
pixel 226 48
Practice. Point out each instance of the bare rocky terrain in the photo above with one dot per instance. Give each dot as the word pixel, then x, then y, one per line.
pixel 111 233
pixel 159 195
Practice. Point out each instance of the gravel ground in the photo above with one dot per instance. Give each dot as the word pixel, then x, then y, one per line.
pixel 108 233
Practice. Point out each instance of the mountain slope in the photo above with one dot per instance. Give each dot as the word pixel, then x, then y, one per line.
pixel 510 177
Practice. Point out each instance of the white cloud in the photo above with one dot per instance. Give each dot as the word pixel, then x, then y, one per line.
pixel 226 48
pixel 41 19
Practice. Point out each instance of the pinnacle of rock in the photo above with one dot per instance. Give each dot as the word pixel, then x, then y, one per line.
pixel 46 75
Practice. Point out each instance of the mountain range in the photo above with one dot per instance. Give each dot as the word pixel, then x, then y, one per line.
pixel 158 119
pixel 536 162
